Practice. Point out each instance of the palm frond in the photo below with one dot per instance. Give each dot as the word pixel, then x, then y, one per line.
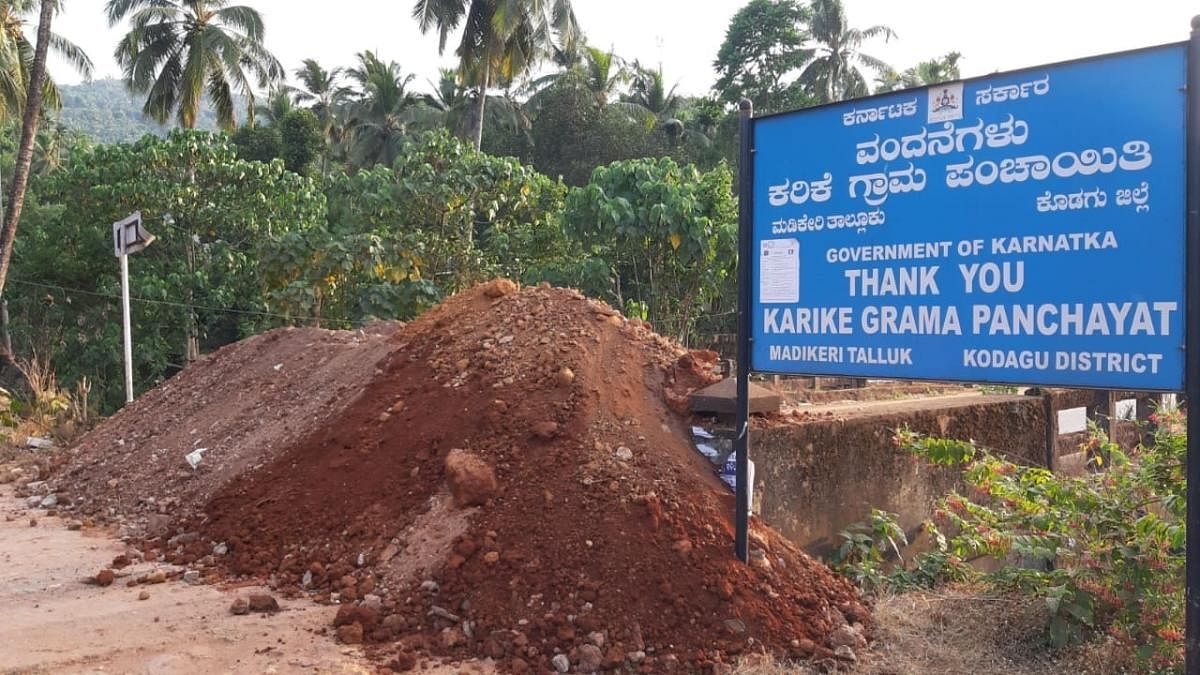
pixel 72 54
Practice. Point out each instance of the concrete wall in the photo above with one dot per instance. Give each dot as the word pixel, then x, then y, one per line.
pixel 814 478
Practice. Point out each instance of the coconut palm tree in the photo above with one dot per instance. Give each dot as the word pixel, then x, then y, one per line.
pixel 501 39
pixel 449 98
pixel 16 59
pixel 30 117
pixel 380 111
pixel 177 52
pixel 278 102
pixel 933 71
pixel 320 90
pixel 835 72
pixel 648 89
pixel 603 73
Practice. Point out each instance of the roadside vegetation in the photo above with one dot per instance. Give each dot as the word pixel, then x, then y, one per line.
pixel 1102 554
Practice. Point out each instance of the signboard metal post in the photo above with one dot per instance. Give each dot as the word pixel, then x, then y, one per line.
pixel 128 237
pixel 741 440
pixel 126 330
pixel 1192 367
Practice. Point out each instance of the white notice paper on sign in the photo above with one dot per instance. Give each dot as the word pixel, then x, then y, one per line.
pixel 779 271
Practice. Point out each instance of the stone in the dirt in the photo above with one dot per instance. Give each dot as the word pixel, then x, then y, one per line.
pixel 221 549
pixel 443 613
pixel 366 617
pixel 429 586
pixel 472 481
pixel 144 595
pixel 39 443
pixel 545 430
pixel 590 658
pixel 191 576
pixel 105 578
pixel 155 577
pixel 848 637
pixel 636 657
pixel 561 663
pixel 499 288
pixel 240 606
pixel 351 634
pixel 263 602
pixel 74 525
pixel 846 654
pixel 32 502
pixel 564 377
pixel 453 637
pixel 596 638
pixel 403 662
pixel 624 454
pixel 394 623
pixel 33 522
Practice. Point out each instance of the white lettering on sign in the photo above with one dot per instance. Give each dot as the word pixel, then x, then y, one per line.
pixel 1098 318
pixel 808 321
pixel 888 281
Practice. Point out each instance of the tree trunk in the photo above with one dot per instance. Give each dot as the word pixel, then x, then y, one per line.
pixel 29 127
pixel 477 121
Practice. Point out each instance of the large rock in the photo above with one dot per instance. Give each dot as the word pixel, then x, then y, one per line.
pixel 472 481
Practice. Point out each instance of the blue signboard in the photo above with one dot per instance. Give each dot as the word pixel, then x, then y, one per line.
pixel 1024 228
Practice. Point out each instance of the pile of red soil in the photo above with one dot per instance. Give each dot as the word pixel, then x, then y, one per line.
pixel 243 405
pixel 514 485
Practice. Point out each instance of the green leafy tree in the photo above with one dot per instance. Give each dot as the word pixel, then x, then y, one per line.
pixel 764 49
pixel 221 224
pixel 501 40
pixel 668 233
pixel 258 143
pixel 445 212
pixel 300 141
pixel 179 51
pixel 835 72
pixel 573 134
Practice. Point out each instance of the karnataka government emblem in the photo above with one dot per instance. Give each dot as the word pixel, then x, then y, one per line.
pixel 946 102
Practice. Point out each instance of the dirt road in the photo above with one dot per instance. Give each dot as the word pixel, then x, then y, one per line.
pixel 52 622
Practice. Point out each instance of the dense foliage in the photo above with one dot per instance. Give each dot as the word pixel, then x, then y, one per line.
pixel 245 244
pixel 1105 551
pixel 213 214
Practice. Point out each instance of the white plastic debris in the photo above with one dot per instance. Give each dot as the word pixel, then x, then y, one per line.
pixel 193 458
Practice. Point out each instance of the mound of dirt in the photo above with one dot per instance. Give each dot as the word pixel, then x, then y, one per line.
pixel 511 483
pixel 236 409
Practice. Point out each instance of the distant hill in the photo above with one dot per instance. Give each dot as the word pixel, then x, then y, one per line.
pixel 106 111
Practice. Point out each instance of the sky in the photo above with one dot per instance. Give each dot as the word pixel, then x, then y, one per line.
pixel 684 35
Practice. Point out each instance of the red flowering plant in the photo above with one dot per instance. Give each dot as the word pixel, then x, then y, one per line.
pixel 1104 550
